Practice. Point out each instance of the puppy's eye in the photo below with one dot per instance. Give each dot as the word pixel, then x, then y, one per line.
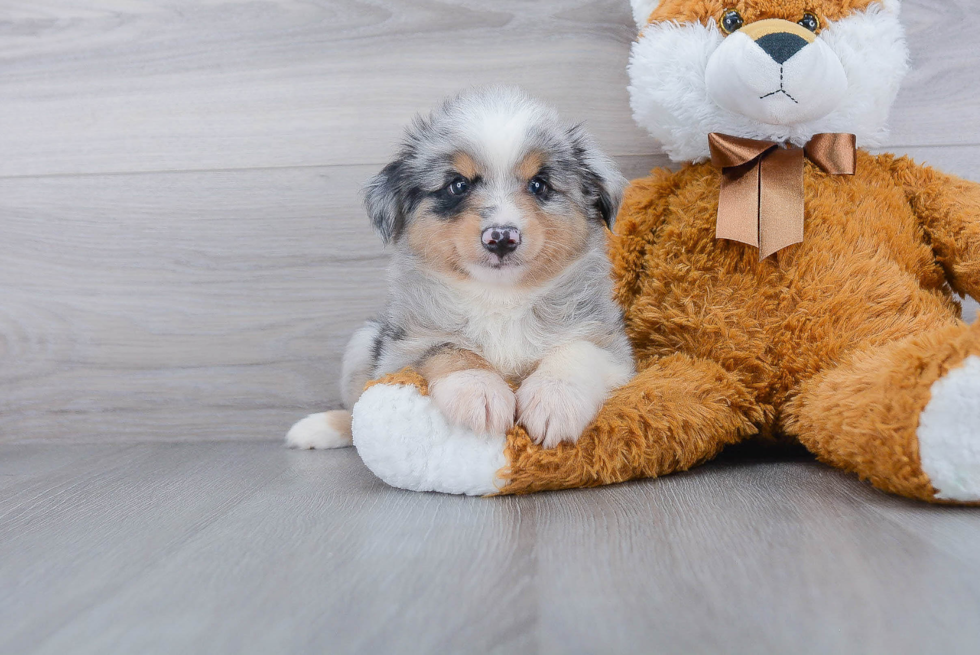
pixel 731 21
pixel 537 186
pixel 810 22
pixel 458 187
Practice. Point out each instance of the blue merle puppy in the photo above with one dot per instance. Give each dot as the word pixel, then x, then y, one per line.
pixel 497 211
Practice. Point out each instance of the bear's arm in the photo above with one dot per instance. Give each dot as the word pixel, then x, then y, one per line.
pixel 644 209
pixel 949 209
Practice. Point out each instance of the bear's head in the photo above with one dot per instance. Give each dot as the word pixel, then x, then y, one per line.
pixel 774 70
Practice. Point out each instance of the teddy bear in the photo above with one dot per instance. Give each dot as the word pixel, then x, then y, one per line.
pixel 780 283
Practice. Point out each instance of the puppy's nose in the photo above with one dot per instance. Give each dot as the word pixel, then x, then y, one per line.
pixel 501 240
pixel 781 45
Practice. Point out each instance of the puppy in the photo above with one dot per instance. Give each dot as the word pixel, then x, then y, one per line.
pixel 497 212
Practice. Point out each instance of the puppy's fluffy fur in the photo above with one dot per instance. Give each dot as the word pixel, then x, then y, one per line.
pixel 497 212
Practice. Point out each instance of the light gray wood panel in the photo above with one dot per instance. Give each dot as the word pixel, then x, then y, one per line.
pixel 224 548
pixel 187 85
pixel 112 86
pixel 179 306
pixel 182 306
pixel 940 99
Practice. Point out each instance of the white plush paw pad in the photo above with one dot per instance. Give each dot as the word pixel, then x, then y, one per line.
pixel 406 441
pixel 475 399
pixel 949 433
pixel 553 410
pixel 323 430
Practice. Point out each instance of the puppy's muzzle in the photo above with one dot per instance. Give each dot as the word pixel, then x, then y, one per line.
pixel 501 240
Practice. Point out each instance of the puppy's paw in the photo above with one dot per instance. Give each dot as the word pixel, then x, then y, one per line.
pixel 553 410
pixel 476 399
pixel 319 431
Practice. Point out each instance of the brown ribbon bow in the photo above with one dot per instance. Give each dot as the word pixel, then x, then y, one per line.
pixel 761 200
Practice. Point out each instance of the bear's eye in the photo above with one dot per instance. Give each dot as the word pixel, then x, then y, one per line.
pixel 810 22
pixel 731 21
pixel 459 186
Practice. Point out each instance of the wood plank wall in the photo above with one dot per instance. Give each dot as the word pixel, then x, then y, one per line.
pixel 182 247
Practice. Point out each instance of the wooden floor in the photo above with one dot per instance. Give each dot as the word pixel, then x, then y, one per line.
pixel 249 547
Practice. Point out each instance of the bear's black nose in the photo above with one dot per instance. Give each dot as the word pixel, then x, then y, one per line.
pixel 781 45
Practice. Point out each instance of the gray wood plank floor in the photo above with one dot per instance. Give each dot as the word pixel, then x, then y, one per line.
pixel 230 548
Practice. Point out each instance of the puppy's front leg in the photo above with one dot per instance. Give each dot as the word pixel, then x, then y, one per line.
pixel 468 391
pixel 559 400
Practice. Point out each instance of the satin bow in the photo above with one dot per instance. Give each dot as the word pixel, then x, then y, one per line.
pixel 761 199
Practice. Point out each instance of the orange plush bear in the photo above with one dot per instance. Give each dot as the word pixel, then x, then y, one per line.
pixel 781 285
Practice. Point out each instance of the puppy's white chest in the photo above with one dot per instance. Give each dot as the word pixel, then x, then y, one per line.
pixel 512 340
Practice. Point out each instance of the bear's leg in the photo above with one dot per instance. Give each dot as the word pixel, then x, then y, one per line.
pixel 905 416
pixel 675 414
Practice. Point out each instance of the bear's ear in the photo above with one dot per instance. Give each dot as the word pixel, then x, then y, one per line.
pixel 642 10
pixel 385 198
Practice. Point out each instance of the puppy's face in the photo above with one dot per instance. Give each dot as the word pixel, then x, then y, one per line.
pixel 503 222
pixel 494 188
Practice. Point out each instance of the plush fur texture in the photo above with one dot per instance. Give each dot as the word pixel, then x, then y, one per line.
pixel 418 448
pixel 850 343
pixel 835 342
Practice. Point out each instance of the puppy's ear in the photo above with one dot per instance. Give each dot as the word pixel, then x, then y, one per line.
pixel 385 198
pixel 602 183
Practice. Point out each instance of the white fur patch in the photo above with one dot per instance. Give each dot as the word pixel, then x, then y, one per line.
pixel 405 440
pixel 321 431
pixel 559 400
pixel 499 131
pixel 355 370
pixel 949 434
pixel 508 327
pixel 669 94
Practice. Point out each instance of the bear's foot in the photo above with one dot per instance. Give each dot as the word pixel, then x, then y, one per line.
pixel 904 415
pixel 949 434
pixel 405 440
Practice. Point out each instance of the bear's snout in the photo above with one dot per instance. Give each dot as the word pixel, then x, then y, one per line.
pixel 780 39
pixel 776 72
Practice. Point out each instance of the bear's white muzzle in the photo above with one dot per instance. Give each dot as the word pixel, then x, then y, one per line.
pixel 776 72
